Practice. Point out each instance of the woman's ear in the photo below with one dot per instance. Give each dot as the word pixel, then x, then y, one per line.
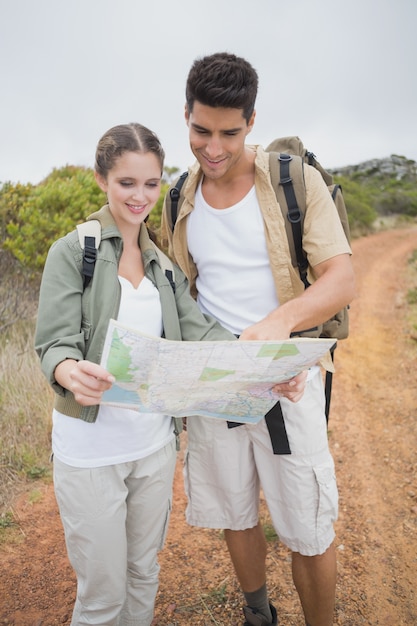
pixel 101 182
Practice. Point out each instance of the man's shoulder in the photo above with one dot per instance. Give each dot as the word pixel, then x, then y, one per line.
pixel 261 154
pixel 192 178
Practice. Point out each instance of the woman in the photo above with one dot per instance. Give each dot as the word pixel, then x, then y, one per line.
pixel 113 467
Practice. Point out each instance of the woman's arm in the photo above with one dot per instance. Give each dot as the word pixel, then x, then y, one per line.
pixel 59 334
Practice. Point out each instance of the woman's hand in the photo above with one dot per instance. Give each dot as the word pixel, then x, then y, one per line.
pixel 86 380
pixel 292 389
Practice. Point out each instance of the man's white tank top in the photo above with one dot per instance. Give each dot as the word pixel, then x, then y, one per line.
pixel 235 283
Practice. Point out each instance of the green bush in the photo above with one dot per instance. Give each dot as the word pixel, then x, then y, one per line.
pixel 389 192
pixel 359 205
pixel 33 217
pixel 12 197
pixel 49 211
pixel 397 201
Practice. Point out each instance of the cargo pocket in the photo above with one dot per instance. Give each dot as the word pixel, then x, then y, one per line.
pixel 328 497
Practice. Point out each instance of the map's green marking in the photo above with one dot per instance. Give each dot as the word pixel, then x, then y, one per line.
pixel 212 373
pixel 119 362
pixel 278 351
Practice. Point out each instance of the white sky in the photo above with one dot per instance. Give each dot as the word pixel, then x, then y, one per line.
pixel 341 74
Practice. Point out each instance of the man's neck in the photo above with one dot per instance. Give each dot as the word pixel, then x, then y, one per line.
pixel 228 190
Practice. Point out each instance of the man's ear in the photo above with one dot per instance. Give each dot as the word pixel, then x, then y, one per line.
pixel 186 113
pixel 101 182
pixel 251 122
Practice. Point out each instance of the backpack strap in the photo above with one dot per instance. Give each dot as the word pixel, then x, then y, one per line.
pixel 174 195
pixel 293 206
pixel 166 265
pixel 287 177
pixel 89 236
pixel 328 385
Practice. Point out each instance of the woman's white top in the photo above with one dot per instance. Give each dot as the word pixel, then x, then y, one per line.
pixel 118 435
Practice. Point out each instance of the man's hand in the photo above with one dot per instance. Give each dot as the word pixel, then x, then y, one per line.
pixel 269 328
pixel 292 389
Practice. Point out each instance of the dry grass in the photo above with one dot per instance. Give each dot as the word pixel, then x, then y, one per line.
pixel 25 399
pixel 18 292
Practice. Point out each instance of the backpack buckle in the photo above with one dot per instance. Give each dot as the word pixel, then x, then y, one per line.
pixel 174 194
pixel 285 168
pixel 294 215
pixel 311 157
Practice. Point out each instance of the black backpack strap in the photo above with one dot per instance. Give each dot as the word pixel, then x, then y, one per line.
pixel 328 385
pixel 174 195
pixel 294 214
pixel 170 276
pixel 275 423
pixel 278 433
pixel 89 259
pixel 89 237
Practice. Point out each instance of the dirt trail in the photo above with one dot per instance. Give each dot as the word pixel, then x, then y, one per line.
pixel 373 435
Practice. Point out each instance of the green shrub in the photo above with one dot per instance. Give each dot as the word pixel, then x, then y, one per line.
pixel 12 198
pixel 359 205
pixel 33 217
pixel 49 211
pixel 397 201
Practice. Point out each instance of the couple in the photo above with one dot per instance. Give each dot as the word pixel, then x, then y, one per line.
pixel 113 468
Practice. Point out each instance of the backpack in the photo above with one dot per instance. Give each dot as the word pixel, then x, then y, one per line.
pixel 89 236
pixel 287 156
pixel 286 162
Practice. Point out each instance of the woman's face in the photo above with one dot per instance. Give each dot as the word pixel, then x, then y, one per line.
pixel 132 186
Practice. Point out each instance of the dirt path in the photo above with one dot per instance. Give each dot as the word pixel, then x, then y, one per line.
pixel 373 435
pixel 374 438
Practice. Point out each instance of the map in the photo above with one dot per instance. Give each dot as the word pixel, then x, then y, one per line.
pixel 231 380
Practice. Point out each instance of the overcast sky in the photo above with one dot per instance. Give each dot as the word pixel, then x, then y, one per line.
pixel 341 74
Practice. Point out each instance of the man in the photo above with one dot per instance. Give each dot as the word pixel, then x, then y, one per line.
pixel 230 240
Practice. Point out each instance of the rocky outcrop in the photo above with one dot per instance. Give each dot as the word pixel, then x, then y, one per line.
pixel 395 166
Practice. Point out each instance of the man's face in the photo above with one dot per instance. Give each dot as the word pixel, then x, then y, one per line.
pixel 217 138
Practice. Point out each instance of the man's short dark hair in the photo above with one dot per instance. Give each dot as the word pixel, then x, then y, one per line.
pixel 223 80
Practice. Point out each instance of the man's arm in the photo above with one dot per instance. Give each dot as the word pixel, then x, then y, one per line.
pixel 333 289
